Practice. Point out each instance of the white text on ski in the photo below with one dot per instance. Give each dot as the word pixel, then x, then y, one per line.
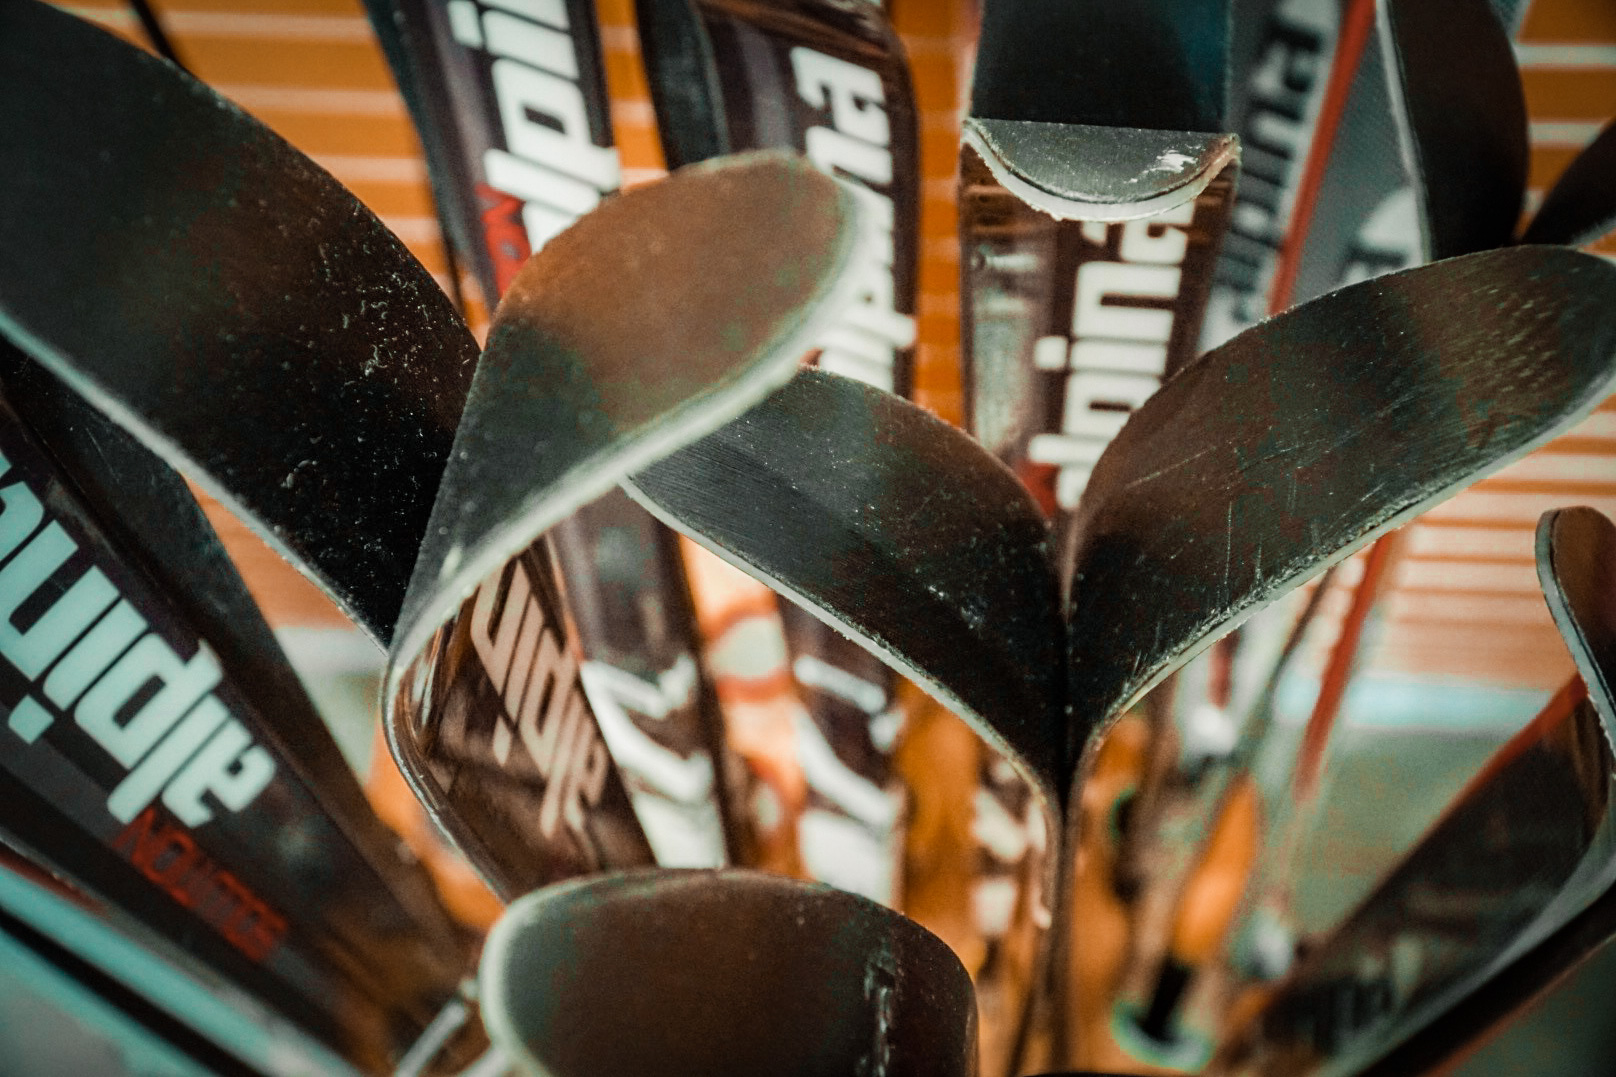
pixel 855 149
pixel 1117 352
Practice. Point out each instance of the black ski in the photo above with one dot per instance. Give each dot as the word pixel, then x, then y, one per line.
pixel 512 108
pixel 845 985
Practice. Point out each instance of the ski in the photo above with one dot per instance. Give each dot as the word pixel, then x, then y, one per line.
pixel 1427 152
pixel 166 811
pixel 512 109
pixel 1092 210
pixel 829 81
pixel 1240 453
pixel 1475 920
pixel 847 985
pixel 1579 208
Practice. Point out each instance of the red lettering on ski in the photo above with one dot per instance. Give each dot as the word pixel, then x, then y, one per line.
pixel 170 858
pixel 503 233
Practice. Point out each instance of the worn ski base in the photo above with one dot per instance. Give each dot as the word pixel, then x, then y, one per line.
pixel 1304 438
pixel 686 974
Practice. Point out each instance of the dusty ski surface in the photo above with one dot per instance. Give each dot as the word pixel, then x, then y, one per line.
pixel 602 358
pixel 1305 437
pixel 842 984
pixel 301 365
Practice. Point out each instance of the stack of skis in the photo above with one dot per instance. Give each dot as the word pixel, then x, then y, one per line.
pixel 1243 292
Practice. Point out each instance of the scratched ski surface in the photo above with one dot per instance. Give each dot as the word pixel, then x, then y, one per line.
pixel 1510 889
pixel 1259 465
pixel 846 986
pixel 1302 439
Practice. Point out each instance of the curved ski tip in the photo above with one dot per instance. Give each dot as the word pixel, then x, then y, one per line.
pixel 656 318
pixel 1576 566
pixel 678 973
pixel 765 224
pixel 1581 206
pixel 1082 172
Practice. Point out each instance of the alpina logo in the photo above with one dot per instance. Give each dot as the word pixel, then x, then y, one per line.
pixel 544 708
pixel 93 656
pixel 855 148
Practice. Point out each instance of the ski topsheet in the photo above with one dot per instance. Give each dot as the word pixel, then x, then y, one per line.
pixel 510 103
pixel 847 986
pixel 1427 150
pixel 168 808
pixel 1091 211
pixel 830 81
pixel 512 108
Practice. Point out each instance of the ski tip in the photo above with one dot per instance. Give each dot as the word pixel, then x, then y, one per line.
pixel 721 972
pixel 765 226
pixel 649 323
pixel 1090 173
pixel 897 529
pixel 1576 566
